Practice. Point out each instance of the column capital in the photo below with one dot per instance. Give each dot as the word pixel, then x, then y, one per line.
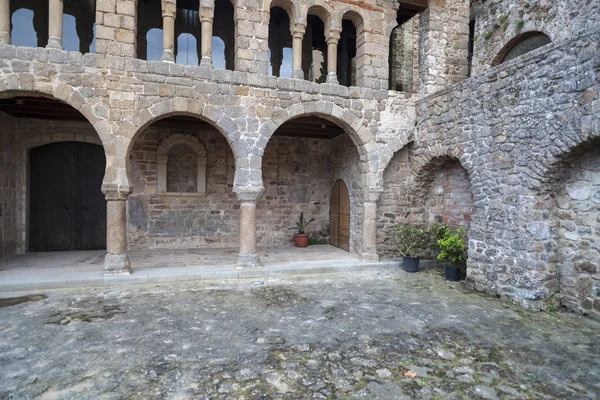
pixel 169 8
pixel 333 35
pixel 298 28
pixel 116 192
pixel 207 11
pixel 248 194
pixel 372 193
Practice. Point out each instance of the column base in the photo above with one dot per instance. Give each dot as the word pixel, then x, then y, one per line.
pixel 116 264
pixel 332 78
pixel 297 73
pixel 206 62
pixel 168 56
pixel 5 38
pixel 54 43
pixel 249 261
pixel 367 257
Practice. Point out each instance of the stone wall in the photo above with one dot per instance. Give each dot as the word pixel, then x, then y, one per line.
pixel 182 220
pixel 509 127
pixel 449 199
pixel 576 207
pixel 497 22
pixel 8 190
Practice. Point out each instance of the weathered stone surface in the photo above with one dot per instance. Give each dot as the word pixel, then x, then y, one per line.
pixel 303 338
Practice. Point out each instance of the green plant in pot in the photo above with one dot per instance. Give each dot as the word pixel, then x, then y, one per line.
pixel 453 250
pixel 301 238
pixel 411 242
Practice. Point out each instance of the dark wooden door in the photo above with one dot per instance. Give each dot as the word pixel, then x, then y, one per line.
pixel 339 216
pixel 67 210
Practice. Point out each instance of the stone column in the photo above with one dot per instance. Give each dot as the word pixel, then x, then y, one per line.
pixel 332 44
pixel 5 21
pixel 298 28
pixel 369 248
pixel 116 261
pixel 248 197
pixel 207 13
pixel 55 24
pixel 169 11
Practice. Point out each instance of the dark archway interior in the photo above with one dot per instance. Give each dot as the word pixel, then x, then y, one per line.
pixel 280 43
pixel 346 66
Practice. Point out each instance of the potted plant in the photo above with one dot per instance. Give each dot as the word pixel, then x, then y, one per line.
pixel 410 242
pixel 301 238
pixel 453 250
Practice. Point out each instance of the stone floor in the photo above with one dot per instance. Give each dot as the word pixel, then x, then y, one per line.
pixel 84 268
pixel 362 335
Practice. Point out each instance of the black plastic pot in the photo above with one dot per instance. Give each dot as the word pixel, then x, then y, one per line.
pixel 452 273
pixel 410 264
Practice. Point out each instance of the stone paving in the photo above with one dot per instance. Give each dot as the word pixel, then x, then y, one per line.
pixel 366 335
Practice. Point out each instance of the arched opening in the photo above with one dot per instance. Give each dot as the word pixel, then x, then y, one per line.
pixel 575 203
pixel 520 45
pixel 149 30
pixel 280 43
pixel 154 48
pixel 314 47
pixel 347 51
pixel 188 33
pixel 182 170
pixel 223 49
pixel 52 178
pixel 301 163
pixel 29 19
pixel 403 54
pixel 79 25
pixel 28 27
pixel 187 49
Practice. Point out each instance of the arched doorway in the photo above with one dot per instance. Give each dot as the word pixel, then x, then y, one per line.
pixel 67 210
pixel 339 216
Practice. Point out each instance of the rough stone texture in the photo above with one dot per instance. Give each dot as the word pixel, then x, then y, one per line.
pixel 577 233
pixel 182 220
pixel 354 336
pixel 8 189
pixel 449 199
pixel 499 21
pixel 510 128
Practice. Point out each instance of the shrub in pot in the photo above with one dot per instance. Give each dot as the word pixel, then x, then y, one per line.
pixel 301 238
pixel 411 242
pixel 453 250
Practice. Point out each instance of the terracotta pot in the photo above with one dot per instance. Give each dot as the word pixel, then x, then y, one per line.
pixel 301 239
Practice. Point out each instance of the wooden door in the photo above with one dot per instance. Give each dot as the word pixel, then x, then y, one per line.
pixel 67 210
pixel 339 216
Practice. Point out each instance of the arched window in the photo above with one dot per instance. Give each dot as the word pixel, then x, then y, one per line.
pixel 280 43
pixel 181 165
pixel 314 47
pixel 402 51
pixel 23 31
pixel 154 47
pixel 223 35
pixel 346 68
pixel 187 49
pixel 520 45
pixel 70 37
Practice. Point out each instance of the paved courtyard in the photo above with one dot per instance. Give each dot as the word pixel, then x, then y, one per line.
pixel 361 335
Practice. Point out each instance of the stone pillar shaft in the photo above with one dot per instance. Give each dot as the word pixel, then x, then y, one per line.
pixel 248 197
pixel 55 24
pixel 297 56
pixel 116 261
pixel 248 228
pixel 370 232
pixel 168 38
pixel 332 45
pixel 207 14
pixel 5 22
